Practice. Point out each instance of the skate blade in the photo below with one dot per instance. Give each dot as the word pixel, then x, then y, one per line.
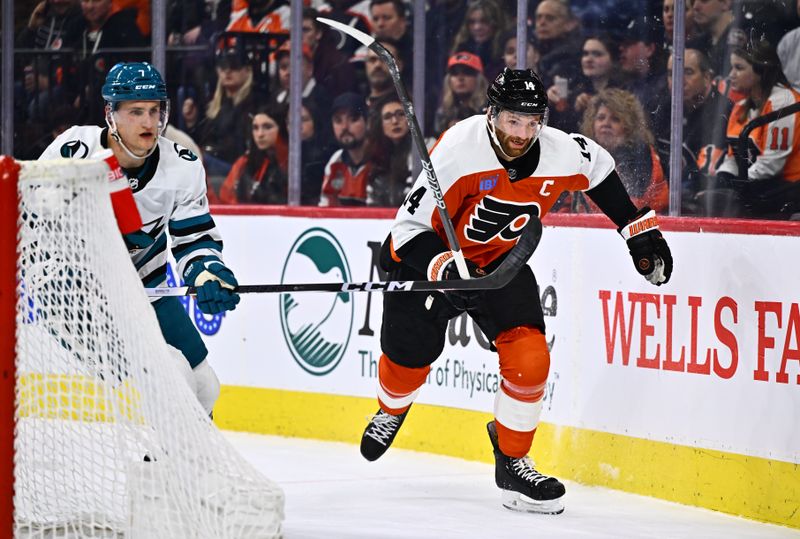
pixel 519 502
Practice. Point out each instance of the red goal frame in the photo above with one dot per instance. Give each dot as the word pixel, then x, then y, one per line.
pixel 9 213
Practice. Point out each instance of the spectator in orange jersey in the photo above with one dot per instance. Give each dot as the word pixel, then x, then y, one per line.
pixel 772 188
pixel 347 171
pixel 616 120
pixel 266 16
pixel 142 8
pixel 256 177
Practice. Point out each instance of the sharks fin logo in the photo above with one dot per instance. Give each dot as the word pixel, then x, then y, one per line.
pixel 74 148
pixel 184 153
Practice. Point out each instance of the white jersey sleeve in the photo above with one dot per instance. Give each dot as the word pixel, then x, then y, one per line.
pixel 417 211
pixel 192 230
pixel 595 161
pixel 777 148
pixel 53 151
pixel 77 142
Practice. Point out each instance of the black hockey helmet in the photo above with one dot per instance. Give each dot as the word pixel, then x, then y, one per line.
pixel 518 90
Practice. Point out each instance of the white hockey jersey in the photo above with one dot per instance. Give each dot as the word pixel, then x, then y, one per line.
pixel 170 192
pixel 488 209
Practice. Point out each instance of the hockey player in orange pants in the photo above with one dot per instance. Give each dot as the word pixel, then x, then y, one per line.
pixel 497 171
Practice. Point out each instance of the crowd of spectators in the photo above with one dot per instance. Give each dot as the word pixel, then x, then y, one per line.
pixel 606 66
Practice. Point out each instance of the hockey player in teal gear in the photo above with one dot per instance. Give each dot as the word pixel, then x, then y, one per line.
pixel 169 186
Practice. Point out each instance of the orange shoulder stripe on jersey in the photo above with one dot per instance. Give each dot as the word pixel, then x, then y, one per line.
pixel 438 140
pixel 657 173
pixel 392 251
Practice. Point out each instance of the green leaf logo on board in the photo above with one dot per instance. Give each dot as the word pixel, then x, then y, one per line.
pixel 316 326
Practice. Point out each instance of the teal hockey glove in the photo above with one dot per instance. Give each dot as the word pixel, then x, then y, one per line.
pixel 214 283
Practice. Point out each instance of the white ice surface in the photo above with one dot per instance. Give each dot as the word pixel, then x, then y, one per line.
pixel 332 492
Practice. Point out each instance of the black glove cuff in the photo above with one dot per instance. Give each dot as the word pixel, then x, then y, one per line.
pixel 419 252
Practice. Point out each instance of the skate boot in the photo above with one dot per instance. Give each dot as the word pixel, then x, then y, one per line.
pixel 524 489
pixel 380 433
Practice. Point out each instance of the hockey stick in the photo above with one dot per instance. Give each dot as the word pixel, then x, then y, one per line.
pixel 416 135
pixel 517 257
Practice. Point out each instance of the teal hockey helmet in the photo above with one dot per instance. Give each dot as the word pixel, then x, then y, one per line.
pixel 134 81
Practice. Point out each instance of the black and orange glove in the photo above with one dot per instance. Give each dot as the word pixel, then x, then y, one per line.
pixel 649 250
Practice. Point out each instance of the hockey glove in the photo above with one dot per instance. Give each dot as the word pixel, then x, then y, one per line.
pixel 215 285
pixel 443 268
pixel 648 248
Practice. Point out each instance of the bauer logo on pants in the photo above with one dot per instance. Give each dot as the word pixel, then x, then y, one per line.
pixel 316 327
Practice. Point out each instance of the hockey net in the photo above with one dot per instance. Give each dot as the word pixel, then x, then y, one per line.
pixel 108 438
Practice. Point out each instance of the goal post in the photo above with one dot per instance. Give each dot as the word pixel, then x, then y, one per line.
pixel 105 437
pixel 9 212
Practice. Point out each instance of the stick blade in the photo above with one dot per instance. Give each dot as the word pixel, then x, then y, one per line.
pixel 527 244
pixel 517 257
pixel 355 33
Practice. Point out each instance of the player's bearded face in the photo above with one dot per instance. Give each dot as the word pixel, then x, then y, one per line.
pixel 138 124
pixel 516 132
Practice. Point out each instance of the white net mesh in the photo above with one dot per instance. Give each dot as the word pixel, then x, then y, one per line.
pixel 110 439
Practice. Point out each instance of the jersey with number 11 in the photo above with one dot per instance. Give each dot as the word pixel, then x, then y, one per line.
pixel 489 209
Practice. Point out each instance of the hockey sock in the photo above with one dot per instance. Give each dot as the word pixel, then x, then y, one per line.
pixel 398 386
pixel 524 365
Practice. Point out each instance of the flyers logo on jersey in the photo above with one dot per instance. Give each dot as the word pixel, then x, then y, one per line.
pixel 493 217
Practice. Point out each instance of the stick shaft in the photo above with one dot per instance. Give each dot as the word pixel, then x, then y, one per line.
pixel 422 150
pixel 416 136
pixel 508 268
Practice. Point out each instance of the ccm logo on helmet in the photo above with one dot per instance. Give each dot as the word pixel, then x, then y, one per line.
pixel 527 104
pixel 144 86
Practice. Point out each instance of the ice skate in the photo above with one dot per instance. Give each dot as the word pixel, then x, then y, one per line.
pixel 525 489
pixel 380 433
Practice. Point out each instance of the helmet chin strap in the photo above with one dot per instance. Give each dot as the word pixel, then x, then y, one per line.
pixel 114 132
pixel 496 142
